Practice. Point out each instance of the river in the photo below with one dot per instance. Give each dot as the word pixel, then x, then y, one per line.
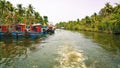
pixel 64 49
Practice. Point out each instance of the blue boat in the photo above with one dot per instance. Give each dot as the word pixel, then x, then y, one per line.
pixel 34 35
pixel 18 34
pixel 1 35
pixel 22 31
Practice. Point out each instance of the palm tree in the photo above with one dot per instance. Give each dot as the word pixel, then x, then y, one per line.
pixel 20 9
pixel 87 18
pixel 117 8
pixel 45 20
pixel 21 13
pixel 36 16
pixel 29 14
pixel 108 9
pixel 95 16
pixel 10 14
pixel 2 7
pixel 10 10
pixel 30 8
pixel 78 20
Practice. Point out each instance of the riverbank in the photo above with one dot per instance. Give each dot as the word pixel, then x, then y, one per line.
pixel 91 31
pixel 97 31
pixel 106 21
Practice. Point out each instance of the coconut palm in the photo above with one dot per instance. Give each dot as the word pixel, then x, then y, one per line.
pixel 20 10
pixel 45 20
pixel 20 13
pixel 29 14
pixel 88 21
pixel 2 2
pixel 117 8
pixel 108 9
pixel 2 7
pixel 10 10
pixel 30 8
pixel 10 14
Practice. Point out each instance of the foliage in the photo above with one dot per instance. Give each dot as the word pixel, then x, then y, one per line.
pixel 10 14
pixel 107 20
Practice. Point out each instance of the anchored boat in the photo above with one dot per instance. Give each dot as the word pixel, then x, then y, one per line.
pixel 25 31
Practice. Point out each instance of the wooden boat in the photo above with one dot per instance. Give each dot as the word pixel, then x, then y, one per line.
pixel 24 31
pixel 14 31
pixel 35 30
pixel 51 29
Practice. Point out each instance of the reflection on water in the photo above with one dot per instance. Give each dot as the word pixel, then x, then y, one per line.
pixel 64 49
pixel 70 57
pixel 109 42
pixel 110 56
pixel 12 50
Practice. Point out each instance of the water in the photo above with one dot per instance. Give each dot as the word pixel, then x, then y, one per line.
pixel 64 49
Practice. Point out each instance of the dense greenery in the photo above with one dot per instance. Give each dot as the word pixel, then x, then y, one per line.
pixel 107 20
pixel 10 14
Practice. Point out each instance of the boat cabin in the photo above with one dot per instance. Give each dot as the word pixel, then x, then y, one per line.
pixel 36 27
pixel 22 27
pixel 4 28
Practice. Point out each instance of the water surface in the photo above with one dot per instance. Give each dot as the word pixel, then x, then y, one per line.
pixel 64 49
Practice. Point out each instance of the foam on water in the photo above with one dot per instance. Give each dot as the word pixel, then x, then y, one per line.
pixel 70 57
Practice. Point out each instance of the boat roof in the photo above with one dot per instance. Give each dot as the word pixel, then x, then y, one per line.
pixel 36 24
pixel 22 24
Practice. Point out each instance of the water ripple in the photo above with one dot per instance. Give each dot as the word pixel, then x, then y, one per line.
pixel 70 57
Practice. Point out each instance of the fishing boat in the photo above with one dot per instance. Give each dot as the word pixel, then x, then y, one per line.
pixel 35 30
pixel 51 29
pixel 25 31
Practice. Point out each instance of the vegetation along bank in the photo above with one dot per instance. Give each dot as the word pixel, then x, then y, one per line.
pixel 107 20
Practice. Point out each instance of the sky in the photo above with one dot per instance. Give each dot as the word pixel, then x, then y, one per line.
pixel 65 10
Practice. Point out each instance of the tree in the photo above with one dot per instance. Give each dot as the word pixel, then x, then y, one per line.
pixel 2 7
pixel 88 21
pixel 108 9
pixel 117 8
pixel 10 10
pixel 29 14
pixel 45 19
